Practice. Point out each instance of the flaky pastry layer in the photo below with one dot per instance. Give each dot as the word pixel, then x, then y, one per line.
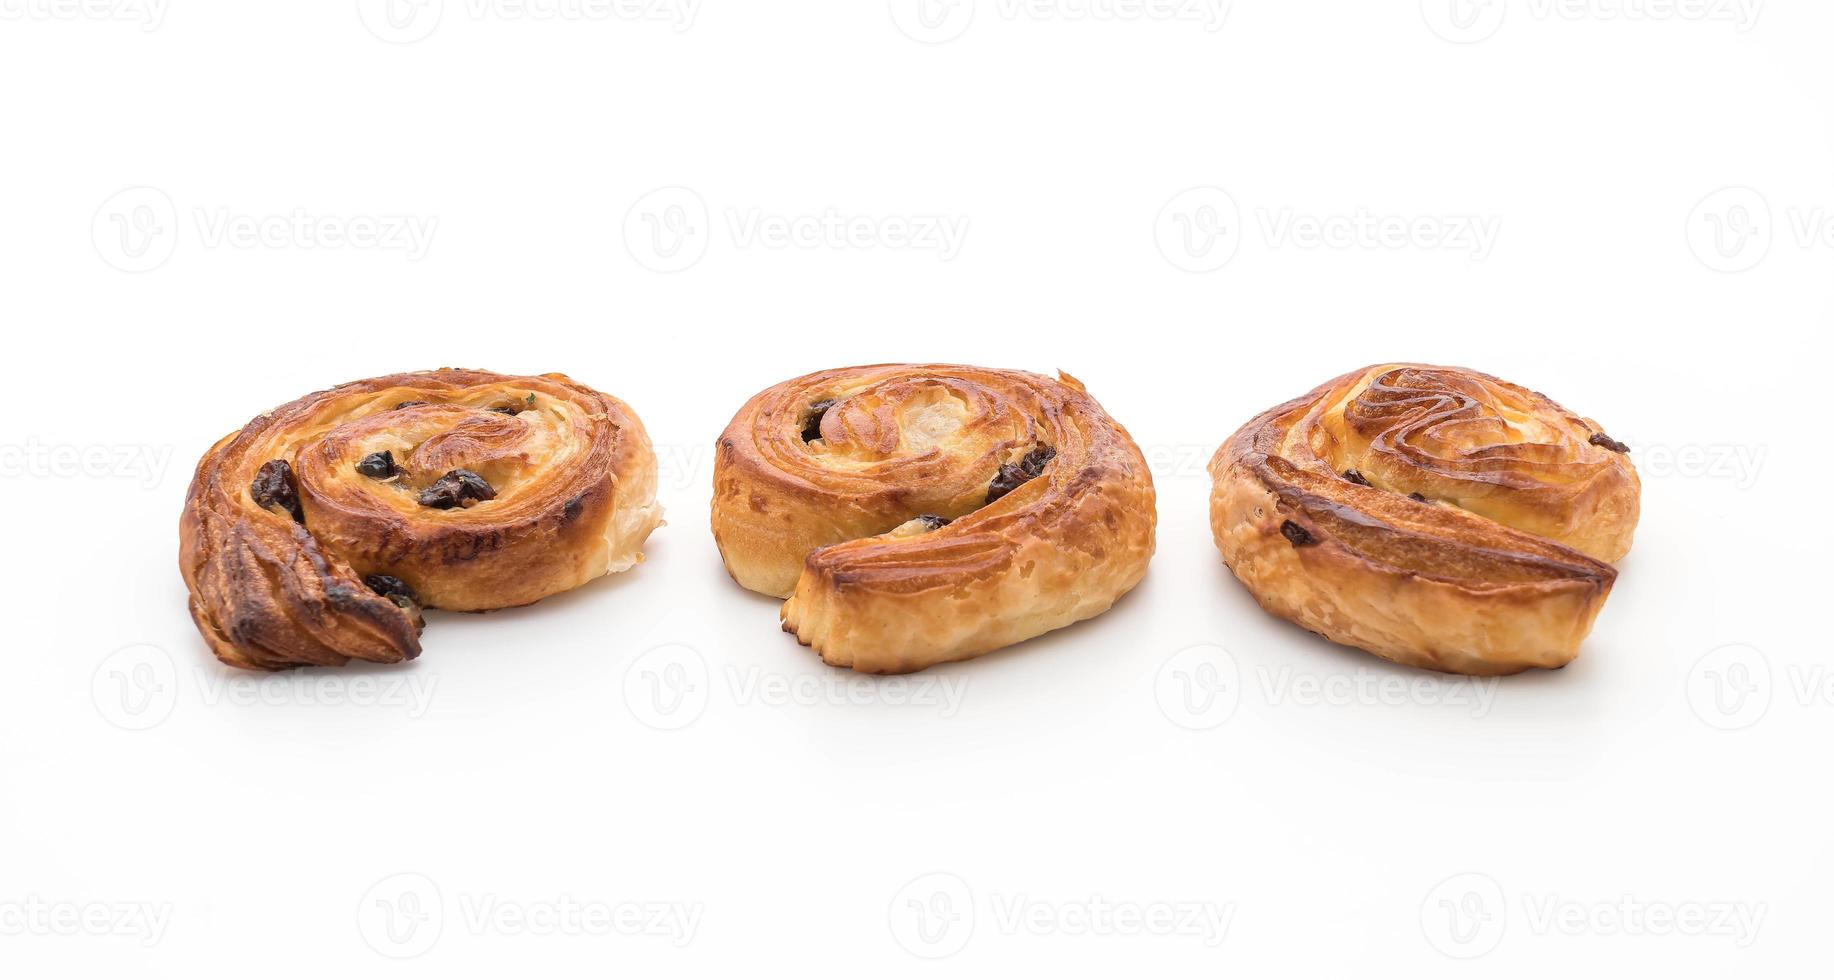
pixel 1433 516
pixel 317 533
pixel 913 514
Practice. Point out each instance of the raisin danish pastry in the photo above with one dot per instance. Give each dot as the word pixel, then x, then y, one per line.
pixel 1433 516
pixel 316 534
pixel 914 514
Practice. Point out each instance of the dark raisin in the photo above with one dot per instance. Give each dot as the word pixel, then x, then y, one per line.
pixel 455 489
pixel 1033 463
pixel 393 589
pixel 1299 536
pixel 1356 478
pixel 1600 439
pixel 1010 477
pixel 505 409
pixel 932 521
pixel 1013 475
pixel 811 426
pixel 273 487
pixel 378 466
pixel 402 405
pixel 1417 496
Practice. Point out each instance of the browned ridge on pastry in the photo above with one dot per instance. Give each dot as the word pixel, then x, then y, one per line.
pixel 1434 516
pixel 317 533
pixel 913 514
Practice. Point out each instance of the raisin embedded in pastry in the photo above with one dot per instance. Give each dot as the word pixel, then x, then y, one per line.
pixel 1433 516
pixel 317 533
pixel 913 514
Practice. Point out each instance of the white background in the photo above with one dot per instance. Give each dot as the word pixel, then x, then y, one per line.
pixel 1047 804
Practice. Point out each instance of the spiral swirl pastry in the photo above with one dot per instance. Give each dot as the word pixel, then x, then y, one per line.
pixel 317 534
pixel 1433 516
pixel 914 514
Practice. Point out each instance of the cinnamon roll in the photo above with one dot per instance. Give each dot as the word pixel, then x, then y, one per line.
pixel 317 533
pixel 1433 516
pixel 913 514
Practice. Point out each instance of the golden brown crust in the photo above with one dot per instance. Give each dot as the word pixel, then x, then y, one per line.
pixel 831 523
pixel 571 470
pixel 1496 563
